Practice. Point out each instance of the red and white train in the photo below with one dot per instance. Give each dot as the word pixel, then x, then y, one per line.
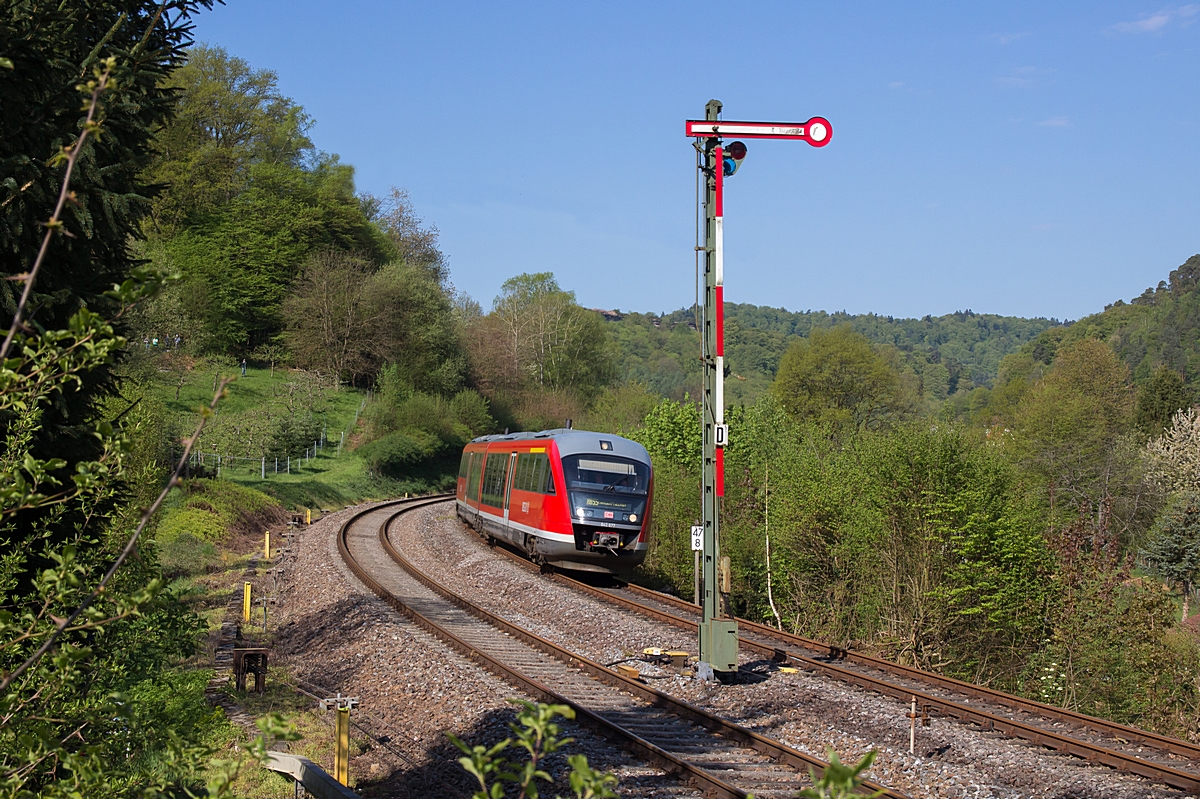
pixel 568 498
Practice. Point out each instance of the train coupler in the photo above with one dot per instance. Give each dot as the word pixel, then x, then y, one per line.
pixel 606 540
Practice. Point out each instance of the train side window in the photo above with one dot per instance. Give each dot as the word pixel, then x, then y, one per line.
pixel 494 474
pixel 533 473
pixel 475 468
pixel 521 473
pixel 543 477
pixel 538 478
pixel 464 464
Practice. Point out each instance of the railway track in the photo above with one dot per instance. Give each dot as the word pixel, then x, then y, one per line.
pixel 721 758
pixel 1170 761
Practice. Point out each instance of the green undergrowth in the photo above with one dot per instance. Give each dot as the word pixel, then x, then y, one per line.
pixel 202 515
pixel 178 694
pixel 314 725
pixel 211 510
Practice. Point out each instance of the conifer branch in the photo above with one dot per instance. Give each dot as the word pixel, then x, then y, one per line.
pixel 90 125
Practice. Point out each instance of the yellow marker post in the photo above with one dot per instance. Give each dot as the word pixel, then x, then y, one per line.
pixel 341 763
pixel 267 545
pixel 246 602
pixel 308 516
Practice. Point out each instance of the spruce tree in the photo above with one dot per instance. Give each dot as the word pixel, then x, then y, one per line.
pixel 53 47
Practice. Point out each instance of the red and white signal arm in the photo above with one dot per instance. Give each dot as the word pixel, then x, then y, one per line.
pixel 816 131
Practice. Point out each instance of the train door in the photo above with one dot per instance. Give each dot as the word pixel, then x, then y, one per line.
pixel 512 472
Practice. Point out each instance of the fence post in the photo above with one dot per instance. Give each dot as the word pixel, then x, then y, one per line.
pixel 246 602
pixel 289 464
pixel 264 467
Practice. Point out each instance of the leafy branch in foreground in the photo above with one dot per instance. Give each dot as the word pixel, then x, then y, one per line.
pixel 537 734
pixel 92 701
pixel 840 781
pixel 66 573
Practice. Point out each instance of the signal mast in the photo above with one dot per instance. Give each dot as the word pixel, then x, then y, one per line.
pixel 718 630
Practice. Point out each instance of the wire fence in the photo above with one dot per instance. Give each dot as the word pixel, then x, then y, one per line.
pixel 268 466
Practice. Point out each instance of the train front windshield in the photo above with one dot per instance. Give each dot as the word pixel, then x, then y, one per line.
pixel 606 489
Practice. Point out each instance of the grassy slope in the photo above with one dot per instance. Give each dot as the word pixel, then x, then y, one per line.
pixel 257 388
pixel 331 479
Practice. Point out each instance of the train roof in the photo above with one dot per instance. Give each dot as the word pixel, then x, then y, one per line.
pixel 578 442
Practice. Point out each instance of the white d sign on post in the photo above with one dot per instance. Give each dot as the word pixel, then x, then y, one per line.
pixel 697 537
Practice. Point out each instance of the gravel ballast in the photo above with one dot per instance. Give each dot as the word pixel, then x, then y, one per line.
pixel 805 711
pixel 333 635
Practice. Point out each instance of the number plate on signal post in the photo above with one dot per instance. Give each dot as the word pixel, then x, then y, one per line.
pixel 698 537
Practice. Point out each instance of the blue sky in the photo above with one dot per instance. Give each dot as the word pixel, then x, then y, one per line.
pixel 1037 159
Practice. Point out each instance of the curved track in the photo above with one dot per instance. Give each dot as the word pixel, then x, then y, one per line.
pixel 1172 762
pixel 719 757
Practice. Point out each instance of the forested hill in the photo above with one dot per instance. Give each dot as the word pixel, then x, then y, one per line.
pixel 942 355
pixel 1158 330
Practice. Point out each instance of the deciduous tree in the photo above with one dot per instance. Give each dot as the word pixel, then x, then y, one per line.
pixel 554 343
pixel 248 199
pixel 836 377
pixel 1173 459
pixel 349 319
pixel 1072 433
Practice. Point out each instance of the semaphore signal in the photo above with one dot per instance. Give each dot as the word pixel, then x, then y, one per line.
pixel 718 631
pixel 816 131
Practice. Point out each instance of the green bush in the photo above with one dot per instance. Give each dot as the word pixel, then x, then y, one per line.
pixel 417 436
pixel 398 452
pixel 293 434
pixel 470 409
pixel 199 524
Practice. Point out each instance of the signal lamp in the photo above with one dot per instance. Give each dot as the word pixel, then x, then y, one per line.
pixel 733 156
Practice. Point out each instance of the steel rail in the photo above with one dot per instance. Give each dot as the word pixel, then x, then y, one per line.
pixel 713 723
pixel 712 785
pixel 709 783
pixel 1011 701
pixel 1050 739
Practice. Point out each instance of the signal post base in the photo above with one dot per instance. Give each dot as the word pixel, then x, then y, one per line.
pixel 719 644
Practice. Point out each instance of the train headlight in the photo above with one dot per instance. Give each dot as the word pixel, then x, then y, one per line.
pixel 579 512
pixel 633 517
